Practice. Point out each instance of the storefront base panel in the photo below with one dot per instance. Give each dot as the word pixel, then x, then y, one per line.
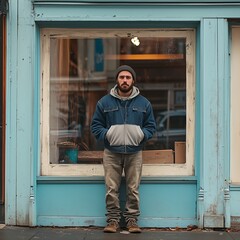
pixel 101 221
pixel 235 210
pixel 235 222
pixel 235 200
pixel 83 204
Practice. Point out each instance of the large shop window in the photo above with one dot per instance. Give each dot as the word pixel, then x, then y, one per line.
pixel 77 69
pixel 235 113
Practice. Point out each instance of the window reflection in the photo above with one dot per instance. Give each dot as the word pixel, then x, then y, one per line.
pixel 82 71
pixel 171 128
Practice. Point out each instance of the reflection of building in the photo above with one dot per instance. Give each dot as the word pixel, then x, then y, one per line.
pixel 161 76
pixel 208 191
pixel 171 128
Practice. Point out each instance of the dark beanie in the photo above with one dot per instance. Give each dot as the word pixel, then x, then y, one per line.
pixel 126 68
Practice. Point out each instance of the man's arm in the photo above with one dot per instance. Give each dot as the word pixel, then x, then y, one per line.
pixel 98 125
pixel 149 125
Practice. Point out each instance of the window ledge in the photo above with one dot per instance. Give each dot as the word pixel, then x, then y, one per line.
pixel 99 179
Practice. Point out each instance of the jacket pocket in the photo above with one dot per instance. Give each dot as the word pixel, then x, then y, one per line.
pixel 125 135
pixel 110 109
pixel 111 114
pixel 116 135
pixel 138 114
pixel 133 135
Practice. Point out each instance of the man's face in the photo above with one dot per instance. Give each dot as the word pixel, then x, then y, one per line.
pixel 125 81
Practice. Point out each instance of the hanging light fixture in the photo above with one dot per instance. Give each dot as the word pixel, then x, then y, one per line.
pixel 135 41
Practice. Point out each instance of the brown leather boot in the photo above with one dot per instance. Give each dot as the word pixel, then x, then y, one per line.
pixel 132 226
pixel 111 227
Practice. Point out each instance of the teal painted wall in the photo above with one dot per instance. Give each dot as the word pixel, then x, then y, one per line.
pixel 63 202
pixel 235 199
pixel 45 13
pixel 162 204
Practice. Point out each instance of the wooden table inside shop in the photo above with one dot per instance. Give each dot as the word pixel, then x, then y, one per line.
pixel 149 157
pixel 90 157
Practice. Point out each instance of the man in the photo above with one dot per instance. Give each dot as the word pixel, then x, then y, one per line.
pixel 124 120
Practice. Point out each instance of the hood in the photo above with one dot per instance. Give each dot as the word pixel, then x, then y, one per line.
pixel 134 93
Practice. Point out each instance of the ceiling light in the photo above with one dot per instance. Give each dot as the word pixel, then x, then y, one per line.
pixel 135 41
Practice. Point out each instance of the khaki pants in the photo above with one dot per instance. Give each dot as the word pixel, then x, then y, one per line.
pixel 114 165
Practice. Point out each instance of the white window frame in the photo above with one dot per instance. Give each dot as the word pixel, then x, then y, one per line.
pixel 47 169
pixel 235 113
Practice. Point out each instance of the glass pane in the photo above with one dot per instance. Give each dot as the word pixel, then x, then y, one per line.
pixel 82 71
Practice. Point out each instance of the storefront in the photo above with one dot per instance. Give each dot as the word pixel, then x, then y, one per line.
pixel 61 58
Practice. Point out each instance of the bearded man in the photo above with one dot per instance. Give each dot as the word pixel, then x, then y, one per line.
pixel 124 121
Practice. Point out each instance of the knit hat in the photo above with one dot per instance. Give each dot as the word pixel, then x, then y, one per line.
pixel 125 68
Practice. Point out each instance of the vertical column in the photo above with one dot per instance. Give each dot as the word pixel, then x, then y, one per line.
pixel 224 120
pixel 11 116
pixel 213 126
pixel 20 119
pixel 3 101
pixel 25 110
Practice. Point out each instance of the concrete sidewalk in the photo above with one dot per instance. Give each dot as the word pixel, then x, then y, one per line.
pixel 49 233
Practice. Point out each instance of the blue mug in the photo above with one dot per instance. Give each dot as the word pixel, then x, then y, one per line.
pixel 72 155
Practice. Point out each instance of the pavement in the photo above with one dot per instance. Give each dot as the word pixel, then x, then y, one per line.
pixel 92 233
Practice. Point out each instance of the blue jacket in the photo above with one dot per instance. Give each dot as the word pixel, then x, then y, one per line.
pixel 124 124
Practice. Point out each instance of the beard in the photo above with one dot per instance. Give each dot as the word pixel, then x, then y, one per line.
pixel 125 88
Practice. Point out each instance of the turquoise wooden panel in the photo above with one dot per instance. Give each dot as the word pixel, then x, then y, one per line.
pixel 214 116
pixel 223 121
pixel 84 204
pixel 71 199
pixel 235 200
pixel 25 59
pixel 71 204
pixel 11 116
pixel 19 128
pixel 144 1
pixel 131 12
pixel 168 205
pixel 209 111
pixel 168 200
